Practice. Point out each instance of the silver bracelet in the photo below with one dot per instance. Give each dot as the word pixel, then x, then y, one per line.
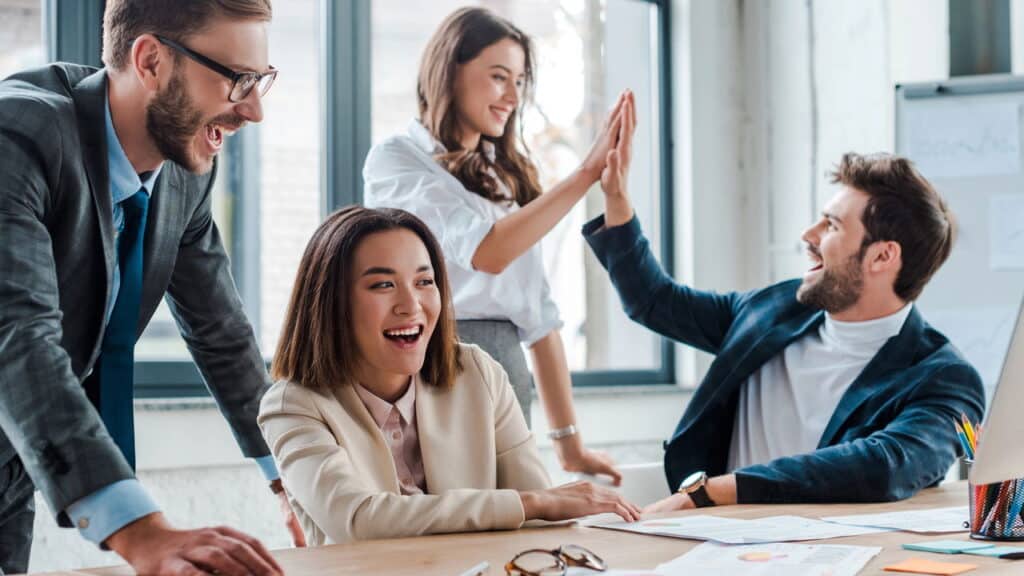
pixel 564 432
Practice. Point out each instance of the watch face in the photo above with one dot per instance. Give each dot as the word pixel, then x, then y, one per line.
pixel 693 479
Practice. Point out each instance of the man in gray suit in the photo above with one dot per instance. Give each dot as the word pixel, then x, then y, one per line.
pixel 105 184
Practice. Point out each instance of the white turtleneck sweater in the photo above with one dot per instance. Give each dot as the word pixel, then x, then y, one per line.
pixel 785 406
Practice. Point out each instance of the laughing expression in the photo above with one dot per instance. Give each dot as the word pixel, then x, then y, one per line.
pixel 487 88
pixel 834 279
pixel 395 304
pixel 191 115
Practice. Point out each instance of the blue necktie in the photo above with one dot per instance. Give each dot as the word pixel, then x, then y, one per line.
pixel 117 355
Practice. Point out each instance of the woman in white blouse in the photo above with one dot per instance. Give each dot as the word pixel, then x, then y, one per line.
pixel 381 423
pixel 459 169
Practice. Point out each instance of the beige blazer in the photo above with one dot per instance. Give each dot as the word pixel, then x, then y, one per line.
pixel 341 479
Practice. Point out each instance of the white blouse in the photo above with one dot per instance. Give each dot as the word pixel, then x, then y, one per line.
pixel 401 172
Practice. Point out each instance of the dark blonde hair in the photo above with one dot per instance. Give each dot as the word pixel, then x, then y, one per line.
pixel 902 207
pixel 317 348
pixel 126 20
pixel 461 38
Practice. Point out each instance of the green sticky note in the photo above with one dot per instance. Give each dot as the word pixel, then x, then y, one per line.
pixel 948 546
pixel 1008 552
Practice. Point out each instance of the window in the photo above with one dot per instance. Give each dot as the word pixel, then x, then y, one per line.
pixel 979 37
pixel 267 194
pixel 21 35
pixel 587 52
pixel 347 78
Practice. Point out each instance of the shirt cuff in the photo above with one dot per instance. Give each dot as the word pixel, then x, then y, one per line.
pixel 268 467
pixel 109 509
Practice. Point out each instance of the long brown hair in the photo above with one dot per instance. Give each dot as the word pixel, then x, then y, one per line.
pixel 461 38
pixel 317 348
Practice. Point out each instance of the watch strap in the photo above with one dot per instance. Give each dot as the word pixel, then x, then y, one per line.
pixel 700 497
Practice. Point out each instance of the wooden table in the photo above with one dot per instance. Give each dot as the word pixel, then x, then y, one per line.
pixel 449 555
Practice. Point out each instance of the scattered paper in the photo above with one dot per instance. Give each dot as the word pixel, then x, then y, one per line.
pixel 952 140
pixel 1006 232
pixel 771 560
pixel 923 521
pixel 737 531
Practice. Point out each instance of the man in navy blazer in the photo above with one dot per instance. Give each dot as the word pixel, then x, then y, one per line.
pixel 830 388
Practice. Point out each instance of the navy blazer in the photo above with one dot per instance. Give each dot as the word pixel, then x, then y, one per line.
pixel 891 434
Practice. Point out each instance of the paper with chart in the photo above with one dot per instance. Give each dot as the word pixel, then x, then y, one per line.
pixel 737 531
pixel 771 560
pixel 932 520
pixel 1006 232
pixel 952 140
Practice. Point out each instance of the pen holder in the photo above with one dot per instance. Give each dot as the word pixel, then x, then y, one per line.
pixel 996 509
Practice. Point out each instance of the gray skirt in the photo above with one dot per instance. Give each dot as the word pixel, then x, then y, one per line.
pixel 500 339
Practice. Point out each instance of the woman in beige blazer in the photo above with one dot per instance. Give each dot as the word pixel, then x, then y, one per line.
pixel 382 424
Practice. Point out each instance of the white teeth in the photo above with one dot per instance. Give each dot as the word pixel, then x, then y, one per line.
pixel 406 332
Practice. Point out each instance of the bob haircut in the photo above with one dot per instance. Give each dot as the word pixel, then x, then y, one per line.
pixel 317 348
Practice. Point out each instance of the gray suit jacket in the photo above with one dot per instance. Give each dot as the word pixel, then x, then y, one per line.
pixel 56 255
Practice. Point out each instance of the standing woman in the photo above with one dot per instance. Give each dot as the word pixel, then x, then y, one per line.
pixel 460 169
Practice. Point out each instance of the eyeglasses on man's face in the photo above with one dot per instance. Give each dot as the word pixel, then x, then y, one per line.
pixel 538 562
pixel 242 83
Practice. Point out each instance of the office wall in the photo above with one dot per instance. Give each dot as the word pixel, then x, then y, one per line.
pixel 768 95
pixel 821 78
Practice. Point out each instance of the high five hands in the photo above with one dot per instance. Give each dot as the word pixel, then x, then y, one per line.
pixel 614 176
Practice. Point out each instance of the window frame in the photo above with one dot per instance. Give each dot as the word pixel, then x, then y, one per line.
pixel 74 35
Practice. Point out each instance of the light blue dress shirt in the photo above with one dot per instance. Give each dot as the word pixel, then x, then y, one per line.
pixel 116 505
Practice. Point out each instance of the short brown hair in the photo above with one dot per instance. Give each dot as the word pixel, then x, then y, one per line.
pixel 460 38
pixel 317 348
pixel 902 207
pixel 126 20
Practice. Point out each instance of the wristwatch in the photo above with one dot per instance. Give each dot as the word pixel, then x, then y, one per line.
pixel 695 486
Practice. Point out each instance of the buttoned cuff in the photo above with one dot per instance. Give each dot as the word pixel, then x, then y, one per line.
pixel 268 467
pixel 107 510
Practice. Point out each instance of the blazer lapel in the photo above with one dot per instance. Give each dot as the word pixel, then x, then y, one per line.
pixel 432 418
pixel 163 231
pixel 896 354
pixel 384 466
pixel 757 353
pixel 90 96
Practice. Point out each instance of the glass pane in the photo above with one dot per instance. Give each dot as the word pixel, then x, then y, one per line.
pixel 289 178
pixel 289 159
pixel 21 35
pixel 587 52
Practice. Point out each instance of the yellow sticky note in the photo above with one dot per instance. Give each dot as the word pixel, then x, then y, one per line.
pixel 924 566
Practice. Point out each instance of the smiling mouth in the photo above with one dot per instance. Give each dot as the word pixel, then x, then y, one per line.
pixel 405 335
pixel 216 133
pixel 816 262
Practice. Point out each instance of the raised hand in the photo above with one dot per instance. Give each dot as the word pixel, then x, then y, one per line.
pixel 615 175
pixel 596 158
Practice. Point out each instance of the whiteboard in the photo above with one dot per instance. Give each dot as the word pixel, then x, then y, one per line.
pixel 967 137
